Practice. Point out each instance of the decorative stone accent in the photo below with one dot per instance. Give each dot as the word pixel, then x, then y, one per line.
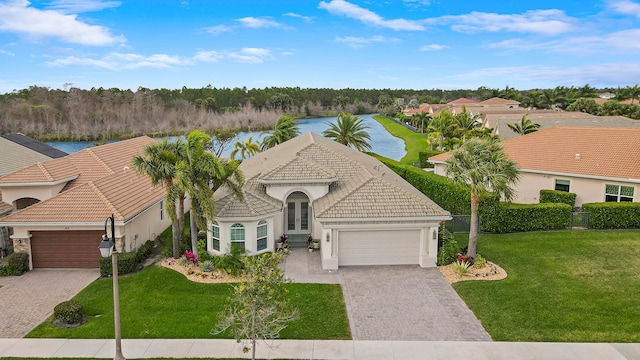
pixel 21 245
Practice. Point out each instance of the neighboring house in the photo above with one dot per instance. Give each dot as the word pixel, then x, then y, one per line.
pixel 18 151
pixel 63 204
pixel 361 211
pixel 421 108
pixel 462 101
pixel 500 103
pixel 596 163
pixel 547 120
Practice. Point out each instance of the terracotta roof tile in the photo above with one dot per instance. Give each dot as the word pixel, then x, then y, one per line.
pixel 498 101
pixel 589 151
pixel 298 169
pixel 462 101
pixel 107 183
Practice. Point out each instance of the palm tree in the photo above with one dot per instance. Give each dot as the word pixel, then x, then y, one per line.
pixel 634 93
pixel 199 174
pixel 525 126
pixel 483 167
pixel 422 118
pixel 465 122
pixel 159 162
pixel 286 128
pixel 349 130
pixel 246 149
pixel 441 127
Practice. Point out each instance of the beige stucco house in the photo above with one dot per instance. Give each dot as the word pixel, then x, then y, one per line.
pixel 360 210
pixel 68 200
pixel 596 163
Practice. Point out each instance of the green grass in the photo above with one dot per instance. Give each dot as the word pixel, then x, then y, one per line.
pixel 413 142
pixel 161 303
pixel 564 286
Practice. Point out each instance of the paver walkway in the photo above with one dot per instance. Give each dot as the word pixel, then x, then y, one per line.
pixel 393 302
pixel 29 299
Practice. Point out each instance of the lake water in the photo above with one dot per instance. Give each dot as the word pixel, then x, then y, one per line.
pixel 382 142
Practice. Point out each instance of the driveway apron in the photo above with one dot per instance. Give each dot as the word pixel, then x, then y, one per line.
pixel 29 299
pixel 399 302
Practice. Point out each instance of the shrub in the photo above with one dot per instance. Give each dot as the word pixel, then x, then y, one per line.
pixel 424 157
pixel 509 217
pixel 555 196
pixel 202 251
pixel 191 257
pixel 447 253
pixel 126 264
pixel 68 312
pixel 145 251
pixel 480 262
pixel 19 262
pixel 232 262
pixel 613 215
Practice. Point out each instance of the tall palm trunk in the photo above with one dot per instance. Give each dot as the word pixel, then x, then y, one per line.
pixel 473 228
pixel 175 232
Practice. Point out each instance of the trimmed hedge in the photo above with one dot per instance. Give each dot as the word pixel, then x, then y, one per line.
pixel 424 158
pixel 127 262
pixel 15 264
pixel 68 312
pixel 510 217
pixel 613 215
pixel 556 196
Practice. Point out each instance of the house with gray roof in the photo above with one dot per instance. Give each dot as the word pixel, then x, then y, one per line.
pixel 361 211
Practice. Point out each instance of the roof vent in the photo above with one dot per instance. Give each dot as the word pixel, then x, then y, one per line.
pixel 577 156
pixel 124 169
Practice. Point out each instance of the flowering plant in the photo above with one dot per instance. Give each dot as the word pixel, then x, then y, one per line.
pixel 191 257
pixel 309 240
pixel 283 237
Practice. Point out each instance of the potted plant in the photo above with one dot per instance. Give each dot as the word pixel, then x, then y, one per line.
pixel 282 242
pixel 316 244
pixel 310 246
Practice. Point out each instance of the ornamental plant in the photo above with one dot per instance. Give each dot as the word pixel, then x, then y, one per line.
pixel 191 257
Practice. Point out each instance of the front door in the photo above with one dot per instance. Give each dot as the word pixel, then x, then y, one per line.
pixel 297 214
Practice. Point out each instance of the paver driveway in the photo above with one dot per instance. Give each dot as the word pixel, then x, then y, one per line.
pixel 29 299
pixel 393 302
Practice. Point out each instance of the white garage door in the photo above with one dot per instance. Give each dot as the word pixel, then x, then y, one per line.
pixel 378 247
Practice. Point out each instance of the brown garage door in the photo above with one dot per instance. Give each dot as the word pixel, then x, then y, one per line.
pixel 66 249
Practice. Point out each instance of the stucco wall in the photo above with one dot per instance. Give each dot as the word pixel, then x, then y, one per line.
pixel 145 226
pixel 250 233
pixel 13 193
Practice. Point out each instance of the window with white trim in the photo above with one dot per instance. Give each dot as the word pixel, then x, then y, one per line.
pixel 262 236
pixel 237 235
pixel 618 193
pixel 215 236
pixel 161 210
pixel 562 185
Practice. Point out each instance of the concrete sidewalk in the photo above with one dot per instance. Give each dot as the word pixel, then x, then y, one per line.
pixel 317 349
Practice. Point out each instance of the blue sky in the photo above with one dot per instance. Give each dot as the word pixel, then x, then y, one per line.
pixel 401 44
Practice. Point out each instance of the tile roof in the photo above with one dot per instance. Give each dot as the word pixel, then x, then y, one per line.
pixel 106 183
pixel 498 101
pixel 586 151
pixel 364 188
pixel 297 170
pixel 4 207
pixel 462 101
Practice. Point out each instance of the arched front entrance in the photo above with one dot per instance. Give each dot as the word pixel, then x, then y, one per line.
pixel 298 216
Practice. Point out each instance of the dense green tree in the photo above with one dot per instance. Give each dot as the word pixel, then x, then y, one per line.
pixel 441 127
pixel 198 174
pixel 483 167
pixel 349 130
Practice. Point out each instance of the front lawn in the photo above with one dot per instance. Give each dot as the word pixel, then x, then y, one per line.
pixel 413 142
pixel 564 286
pixel 161 303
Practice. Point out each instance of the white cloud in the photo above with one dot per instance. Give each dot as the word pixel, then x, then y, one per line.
pixel 250 55
pixel 81 6
pixel 257 23
pixel 625 41
pixel 208 56
pixel 19 17
pixel 121 61
pixel 358 42
pixel 546 22
pixel 7 53
pixel 344 8
pixel 219 29
pixel 627 7
pixel 433 47
pixel 537 76
pixel 304 18
pixel 416 3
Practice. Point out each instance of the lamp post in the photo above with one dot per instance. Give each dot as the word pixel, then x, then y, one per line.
pixel 108 248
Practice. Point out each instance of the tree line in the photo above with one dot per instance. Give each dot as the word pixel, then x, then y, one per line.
pixel 99 113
